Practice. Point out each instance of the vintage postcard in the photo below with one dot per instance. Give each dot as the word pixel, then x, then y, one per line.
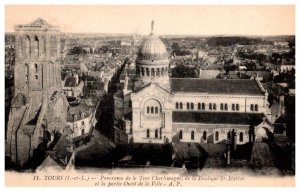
pixel 149 95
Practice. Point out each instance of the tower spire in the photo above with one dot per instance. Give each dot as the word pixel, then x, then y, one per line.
pixel 152 27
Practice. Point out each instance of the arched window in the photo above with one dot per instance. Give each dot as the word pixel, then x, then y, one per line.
pixel 180 105
pixel 143 72
pixel 176 105
pixel 156 110
pixel 221 106
pixel 152 72
pixel 237 107
pixel 241 137
pixel 156 133
pixel 147 72
pixel 148 109
pixel 217 136
pixel 192 135
pixel 251 107
pixel 162 71
pixel 188 105
pixel 233 107
pixel 148 133
pixel 192 105
pixel 36 67
pixel 203 106
pixel 152 110
pixel 204 135
pixel 180 134
pixel 256 107
pixel 36 40
pixel 36 77
pixel 28 46
pixel 215 106
pixel 157 72
pixel 226 107
pixel 199 106
pixel 210 106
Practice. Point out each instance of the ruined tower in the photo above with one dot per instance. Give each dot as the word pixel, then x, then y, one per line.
pixel 38 105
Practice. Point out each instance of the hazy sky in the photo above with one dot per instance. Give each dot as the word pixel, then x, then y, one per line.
pixel 194 20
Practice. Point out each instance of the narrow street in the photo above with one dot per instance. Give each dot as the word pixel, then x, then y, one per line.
pixel 100 151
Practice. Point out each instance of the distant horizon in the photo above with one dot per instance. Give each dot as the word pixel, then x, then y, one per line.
pixel 191 35
pixel 192 20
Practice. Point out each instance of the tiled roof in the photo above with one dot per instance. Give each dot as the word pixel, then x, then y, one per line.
pixel 217 118
pixel 78 110
pixel 216 86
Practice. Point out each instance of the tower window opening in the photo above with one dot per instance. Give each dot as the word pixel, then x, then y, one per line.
pixel 192 135
pixel 204 135
pixel 180 134
pixel 217 136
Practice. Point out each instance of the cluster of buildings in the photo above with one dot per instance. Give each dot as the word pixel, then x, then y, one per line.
pixel 57 107
pixel 47 113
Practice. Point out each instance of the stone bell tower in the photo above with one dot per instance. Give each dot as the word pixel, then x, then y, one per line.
pixel 38 106
pixel 37 74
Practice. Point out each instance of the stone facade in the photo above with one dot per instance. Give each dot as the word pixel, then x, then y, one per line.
pixel 38 106
pixel 220 108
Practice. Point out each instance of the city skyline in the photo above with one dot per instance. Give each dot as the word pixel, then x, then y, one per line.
pixel 202 20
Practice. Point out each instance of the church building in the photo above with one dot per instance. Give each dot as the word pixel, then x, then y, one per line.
pixel 155 108
pixel 39 109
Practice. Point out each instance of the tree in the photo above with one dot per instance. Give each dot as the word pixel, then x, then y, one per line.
pixel 77 50
pixel 182 71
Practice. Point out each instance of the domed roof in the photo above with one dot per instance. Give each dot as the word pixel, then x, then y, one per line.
pixel 152 49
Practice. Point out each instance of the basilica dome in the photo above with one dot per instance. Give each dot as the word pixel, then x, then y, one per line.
pixel 152 50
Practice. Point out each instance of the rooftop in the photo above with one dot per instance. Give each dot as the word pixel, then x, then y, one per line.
pixel 216 86
pixel 217 118
pixel 81 111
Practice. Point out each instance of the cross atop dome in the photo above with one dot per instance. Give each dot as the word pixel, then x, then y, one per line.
pixel 152 27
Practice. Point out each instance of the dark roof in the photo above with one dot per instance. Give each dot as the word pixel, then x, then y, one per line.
pixel 215 86
pixel 78 110
pixel 70 82
pixel 217 118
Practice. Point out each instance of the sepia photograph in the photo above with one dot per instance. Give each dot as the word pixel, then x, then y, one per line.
pixel 149 95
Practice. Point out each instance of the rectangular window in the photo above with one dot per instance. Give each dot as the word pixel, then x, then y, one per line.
pixel 233 107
